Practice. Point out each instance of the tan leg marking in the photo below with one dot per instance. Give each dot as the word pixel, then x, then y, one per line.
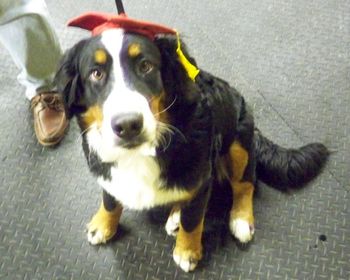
pixel 239 159
pixel 241 216
pixel 188 249
pixel 243 201
pixel 103 225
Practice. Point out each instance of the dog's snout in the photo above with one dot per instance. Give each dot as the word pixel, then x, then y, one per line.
pixel 127 125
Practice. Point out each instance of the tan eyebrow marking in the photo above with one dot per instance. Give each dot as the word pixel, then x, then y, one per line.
pixel 134 49
pixel 100 56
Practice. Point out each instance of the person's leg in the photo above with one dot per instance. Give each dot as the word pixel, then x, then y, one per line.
pixel 26 32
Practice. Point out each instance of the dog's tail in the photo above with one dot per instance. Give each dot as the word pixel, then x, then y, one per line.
pixel 288 168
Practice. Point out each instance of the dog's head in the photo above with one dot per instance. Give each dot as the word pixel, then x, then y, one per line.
pixel 124 87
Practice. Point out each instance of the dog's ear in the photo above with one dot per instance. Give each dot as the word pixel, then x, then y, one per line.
pixel 176 80
pixel 68 80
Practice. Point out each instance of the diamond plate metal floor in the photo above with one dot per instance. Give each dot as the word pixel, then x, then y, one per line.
pixel 289 59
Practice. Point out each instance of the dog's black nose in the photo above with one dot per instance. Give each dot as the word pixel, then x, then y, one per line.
pixel 127 125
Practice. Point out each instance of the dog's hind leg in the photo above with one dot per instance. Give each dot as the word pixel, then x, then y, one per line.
pixel 103 225
pixel 241 215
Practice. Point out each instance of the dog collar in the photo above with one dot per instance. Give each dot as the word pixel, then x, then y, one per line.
pixel 97 22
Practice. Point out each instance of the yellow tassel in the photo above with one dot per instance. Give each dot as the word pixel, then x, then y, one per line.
pixel 192 71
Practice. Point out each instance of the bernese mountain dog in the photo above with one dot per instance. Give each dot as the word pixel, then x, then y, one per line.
pixel 153 137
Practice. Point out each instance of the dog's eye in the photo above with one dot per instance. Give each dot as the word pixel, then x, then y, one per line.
pixel 145 66
pixel 96 75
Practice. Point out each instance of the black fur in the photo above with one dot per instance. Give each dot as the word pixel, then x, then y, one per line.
pixel 279 167
pixel 109 201
pixel 96 166
pixel 288 168
pixel 69 81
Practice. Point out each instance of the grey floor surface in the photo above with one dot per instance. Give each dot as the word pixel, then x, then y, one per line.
pixel 291 61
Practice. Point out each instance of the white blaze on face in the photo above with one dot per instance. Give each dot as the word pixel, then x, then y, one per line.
pixel 136 180
pixel 121 99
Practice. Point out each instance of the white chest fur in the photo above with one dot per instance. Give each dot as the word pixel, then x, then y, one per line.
pixel 137 185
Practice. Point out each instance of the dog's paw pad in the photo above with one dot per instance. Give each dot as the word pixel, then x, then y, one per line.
pixel 173 223
pixel 185 261
pixel 242 230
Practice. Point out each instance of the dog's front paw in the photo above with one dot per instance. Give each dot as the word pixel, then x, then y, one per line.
pixel 173 223
pixel 100 231
pixel 187 260
pixel 242 230
pixel 103 225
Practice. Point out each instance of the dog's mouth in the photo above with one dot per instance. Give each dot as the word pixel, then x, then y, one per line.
pixel 132 143
pixel 111 148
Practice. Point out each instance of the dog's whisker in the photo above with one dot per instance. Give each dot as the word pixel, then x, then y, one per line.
pixel 167 108
pixel 175 129
pixel 165 132
pixel 80 136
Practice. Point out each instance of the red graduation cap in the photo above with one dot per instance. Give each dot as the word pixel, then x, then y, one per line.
pixel 98 22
